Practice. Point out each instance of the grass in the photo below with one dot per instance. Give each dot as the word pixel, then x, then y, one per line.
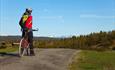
pixel 93 60
pixel 9 49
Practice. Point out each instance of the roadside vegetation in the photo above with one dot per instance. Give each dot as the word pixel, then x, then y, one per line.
pixel 93 60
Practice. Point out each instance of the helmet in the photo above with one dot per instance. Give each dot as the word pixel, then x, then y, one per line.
pixel 29 9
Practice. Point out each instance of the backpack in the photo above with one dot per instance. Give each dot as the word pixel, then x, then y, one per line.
pixel 23 20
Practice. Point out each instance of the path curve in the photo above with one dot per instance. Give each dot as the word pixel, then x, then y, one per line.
pixel 45 59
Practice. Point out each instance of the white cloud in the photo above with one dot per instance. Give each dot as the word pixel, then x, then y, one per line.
pixel 46 17
pixel 95 16
pixel 59 18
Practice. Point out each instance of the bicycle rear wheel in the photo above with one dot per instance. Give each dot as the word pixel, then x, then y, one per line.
pixel 23 47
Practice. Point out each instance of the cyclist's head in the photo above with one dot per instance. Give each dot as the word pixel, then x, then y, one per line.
pixel 29 10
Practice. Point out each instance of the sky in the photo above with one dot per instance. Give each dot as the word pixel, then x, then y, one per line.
pixel 58 18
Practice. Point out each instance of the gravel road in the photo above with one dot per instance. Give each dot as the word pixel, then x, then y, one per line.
pixel 45 59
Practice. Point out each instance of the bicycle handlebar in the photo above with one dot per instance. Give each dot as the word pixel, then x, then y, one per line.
pixel 30 29
pixel 34 29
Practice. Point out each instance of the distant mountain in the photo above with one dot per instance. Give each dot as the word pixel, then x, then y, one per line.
pixel 17 38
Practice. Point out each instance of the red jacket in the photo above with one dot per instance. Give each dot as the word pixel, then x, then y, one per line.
pixel 28 23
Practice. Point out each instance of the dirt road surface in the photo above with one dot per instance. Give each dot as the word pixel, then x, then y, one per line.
pixel 45 59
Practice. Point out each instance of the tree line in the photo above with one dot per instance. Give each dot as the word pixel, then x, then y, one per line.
pixel 94 41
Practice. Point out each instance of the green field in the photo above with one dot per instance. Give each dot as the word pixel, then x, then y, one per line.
pixel 93 60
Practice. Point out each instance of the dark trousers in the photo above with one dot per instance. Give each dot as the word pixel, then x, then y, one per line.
pixel 30 40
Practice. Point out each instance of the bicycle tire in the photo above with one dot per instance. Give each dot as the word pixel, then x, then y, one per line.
pixel 23 47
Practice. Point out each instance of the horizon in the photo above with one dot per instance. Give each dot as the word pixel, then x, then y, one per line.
pixel 63 36
pixel 59 18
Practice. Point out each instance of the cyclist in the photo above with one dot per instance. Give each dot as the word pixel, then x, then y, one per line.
pixel 26 28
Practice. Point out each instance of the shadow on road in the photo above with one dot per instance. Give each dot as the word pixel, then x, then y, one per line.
pixel 2 54
pixel 7 58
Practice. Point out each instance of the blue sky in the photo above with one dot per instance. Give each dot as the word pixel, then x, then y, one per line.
pixel 59 17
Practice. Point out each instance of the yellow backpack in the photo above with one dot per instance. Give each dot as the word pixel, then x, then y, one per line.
pixel 23 20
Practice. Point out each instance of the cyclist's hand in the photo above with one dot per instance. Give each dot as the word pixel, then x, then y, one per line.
pixel 28 30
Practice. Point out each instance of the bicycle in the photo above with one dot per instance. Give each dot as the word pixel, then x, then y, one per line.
pixel 24 45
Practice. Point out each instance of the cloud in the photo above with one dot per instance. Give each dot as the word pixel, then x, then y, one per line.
pixel 45 10
pixel 95 16
pixel 57 18
pixel 48 17
pixel 61 19
pixel 51 17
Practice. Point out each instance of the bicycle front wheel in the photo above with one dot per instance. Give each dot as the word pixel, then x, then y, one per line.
pixel 23 46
